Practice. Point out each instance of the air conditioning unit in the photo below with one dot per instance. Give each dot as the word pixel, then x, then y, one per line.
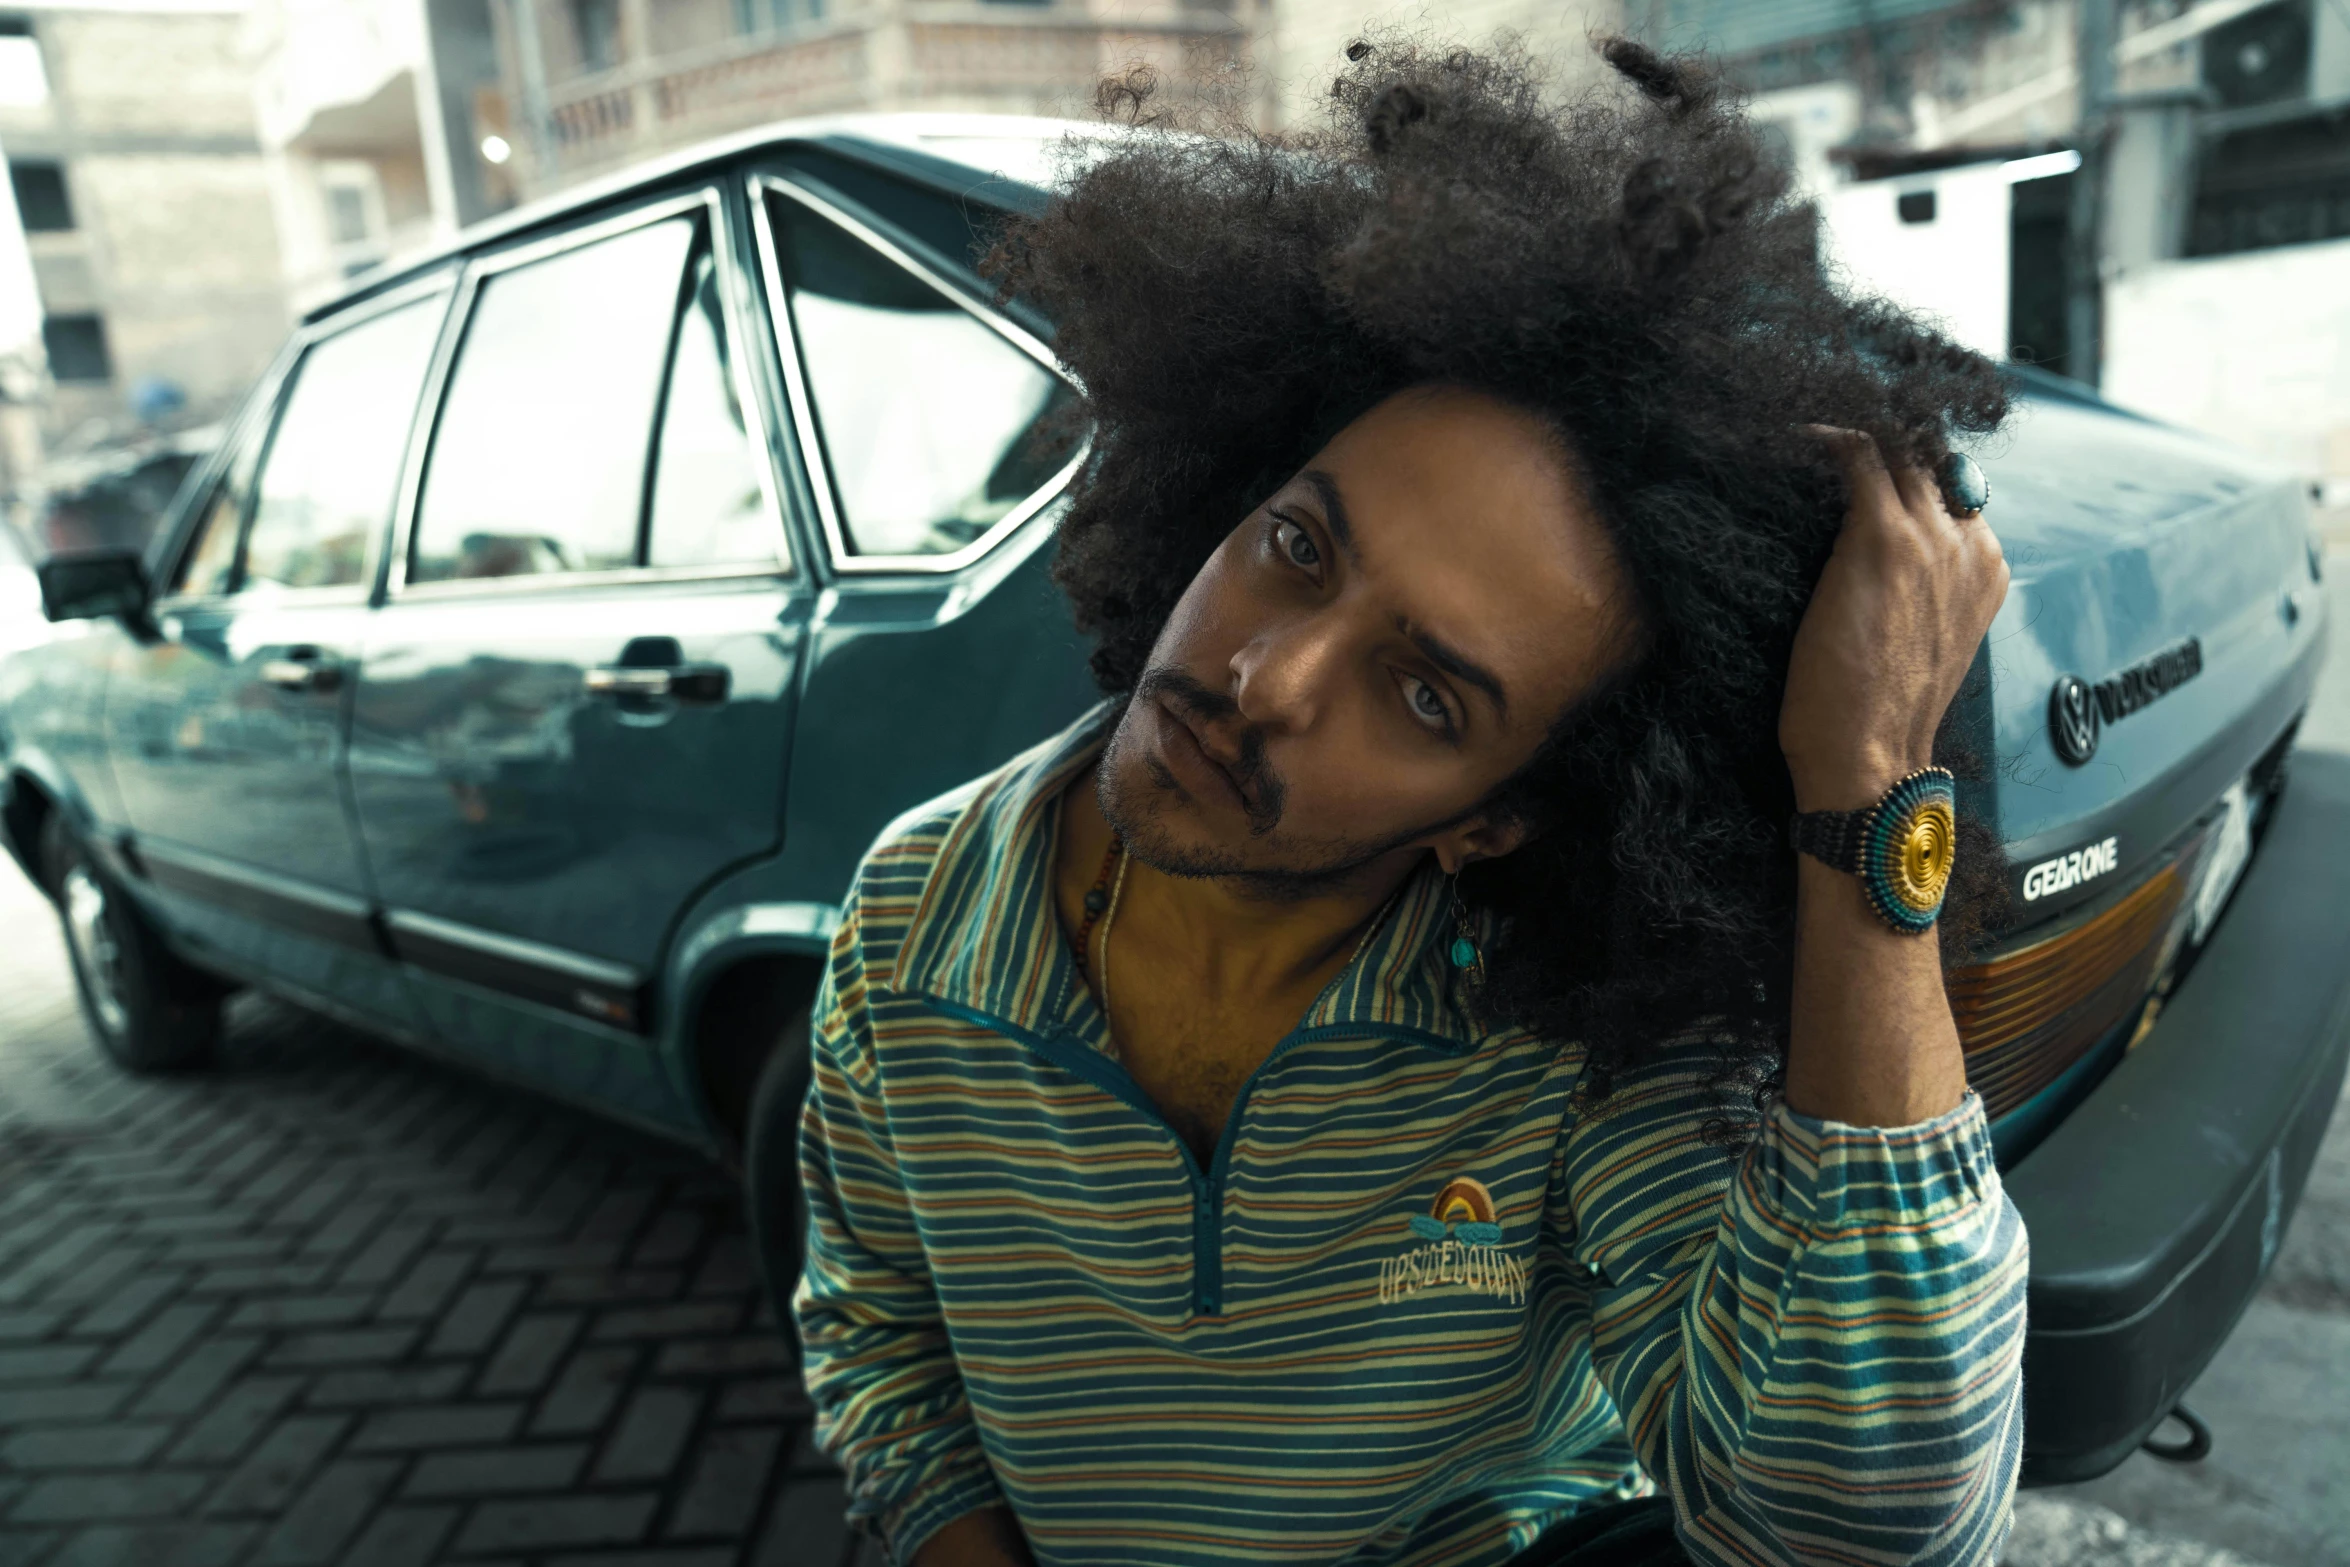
pixel 2260 57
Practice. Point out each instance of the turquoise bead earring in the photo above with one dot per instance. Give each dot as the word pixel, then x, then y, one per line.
pixel 1465 955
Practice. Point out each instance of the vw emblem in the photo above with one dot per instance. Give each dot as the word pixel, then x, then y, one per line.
pixel 2072 719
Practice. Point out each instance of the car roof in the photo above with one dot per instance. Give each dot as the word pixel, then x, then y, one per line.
pixel 1024 152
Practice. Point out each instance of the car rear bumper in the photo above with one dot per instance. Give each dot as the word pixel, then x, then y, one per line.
pixel 2155 1209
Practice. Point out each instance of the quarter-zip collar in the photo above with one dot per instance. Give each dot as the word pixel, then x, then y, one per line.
pixel 985 936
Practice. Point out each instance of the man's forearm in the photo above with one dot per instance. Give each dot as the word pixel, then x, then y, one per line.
pixel 1901 609
pixel 1871 1041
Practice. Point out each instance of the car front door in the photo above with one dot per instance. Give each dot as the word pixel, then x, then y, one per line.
pixel 573 708
pixel 226 727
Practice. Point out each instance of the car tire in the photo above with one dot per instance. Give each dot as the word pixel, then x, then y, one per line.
pixel 777 1204
pixel 150 1011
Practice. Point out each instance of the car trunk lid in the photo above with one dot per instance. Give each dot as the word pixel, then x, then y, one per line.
pixel 2156 646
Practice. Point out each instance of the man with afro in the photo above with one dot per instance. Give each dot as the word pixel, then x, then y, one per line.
pixel 1449 1062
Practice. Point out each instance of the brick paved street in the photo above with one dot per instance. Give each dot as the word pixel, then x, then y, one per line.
pixel 333 1304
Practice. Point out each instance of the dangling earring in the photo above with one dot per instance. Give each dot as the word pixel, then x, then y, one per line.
pixel 1464 942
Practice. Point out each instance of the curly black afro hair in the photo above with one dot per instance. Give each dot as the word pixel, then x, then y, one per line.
pixel 1631 267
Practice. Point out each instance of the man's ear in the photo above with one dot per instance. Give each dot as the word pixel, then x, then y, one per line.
pixel 1478 838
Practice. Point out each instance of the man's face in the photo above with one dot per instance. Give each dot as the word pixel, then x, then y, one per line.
pixel 1373 651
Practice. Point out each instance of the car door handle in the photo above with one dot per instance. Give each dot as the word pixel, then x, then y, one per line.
pixel 303 669
pixel 679 682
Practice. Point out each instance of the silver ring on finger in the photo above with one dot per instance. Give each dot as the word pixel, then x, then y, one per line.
pixel 1966 489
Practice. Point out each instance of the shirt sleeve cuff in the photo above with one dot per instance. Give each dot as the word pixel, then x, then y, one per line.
pixel 1826 1174
pixel 966 1485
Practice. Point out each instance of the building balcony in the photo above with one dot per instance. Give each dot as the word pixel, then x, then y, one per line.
pixel 924 54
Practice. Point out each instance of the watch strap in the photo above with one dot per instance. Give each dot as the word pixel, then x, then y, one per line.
pixel 1831 837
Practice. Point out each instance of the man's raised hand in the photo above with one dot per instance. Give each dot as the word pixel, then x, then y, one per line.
pixel 1904 602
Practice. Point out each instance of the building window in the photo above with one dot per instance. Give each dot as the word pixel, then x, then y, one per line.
pixel 2284 183
pixel 773 16
pixel 23 83
pixel 596 23
pixel 346 214
pixel 77 348
pixel 41 202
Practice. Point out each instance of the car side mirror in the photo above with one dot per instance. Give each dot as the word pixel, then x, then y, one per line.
pixel 93 585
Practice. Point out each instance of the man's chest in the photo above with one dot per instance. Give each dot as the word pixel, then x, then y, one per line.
pixel 1191 1061
pixel 1360 1178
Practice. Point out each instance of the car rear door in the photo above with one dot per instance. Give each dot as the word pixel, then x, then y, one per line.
pixel 226 729
pixel 574 705
pixel 939 436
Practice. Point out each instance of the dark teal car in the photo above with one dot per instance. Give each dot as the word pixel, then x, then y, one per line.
pixel 568 610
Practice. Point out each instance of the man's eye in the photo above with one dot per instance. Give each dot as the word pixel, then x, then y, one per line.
pixel 1297 544
pixel 1428 704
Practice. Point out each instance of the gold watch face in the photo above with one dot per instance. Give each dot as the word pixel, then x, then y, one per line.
pixel 1924 847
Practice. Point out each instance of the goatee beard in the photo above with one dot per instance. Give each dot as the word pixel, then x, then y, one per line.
pixel 1140 822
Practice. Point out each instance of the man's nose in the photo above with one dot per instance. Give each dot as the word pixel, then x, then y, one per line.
pixel 1282 675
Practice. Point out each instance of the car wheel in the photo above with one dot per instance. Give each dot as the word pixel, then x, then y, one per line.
pixel 778 1208
pixel 150 1011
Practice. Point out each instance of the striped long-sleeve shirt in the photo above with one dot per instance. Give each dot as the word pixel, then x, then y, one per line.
pixel 1421 1305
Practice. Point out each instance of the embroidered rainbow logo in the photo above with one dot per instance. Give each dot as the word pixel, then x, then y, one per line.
pixel 1463 1208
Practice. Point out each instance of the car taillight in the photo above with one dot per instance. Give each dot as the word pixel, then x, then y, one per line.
pixel 2030 1012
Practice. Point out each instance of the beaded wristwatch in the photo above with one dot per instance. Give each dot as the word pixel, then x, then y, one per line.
pixel 1901 848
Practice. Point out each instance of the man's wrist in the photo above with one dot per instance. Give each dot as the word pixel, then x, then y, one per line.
pixel 1852 783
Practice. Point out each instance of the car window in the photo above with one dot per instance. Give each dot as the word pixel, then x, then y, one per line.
pixel 333 464
pixel 708 506
pixel 959 228
pixel 209 566
pixel 538 459
pixel 934 426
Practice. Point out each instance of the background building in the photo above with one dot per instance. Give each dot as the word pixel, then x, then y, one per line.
pixel 2152 195
pixel 365 113
pixel 587 86
pixel 144 206
pixel 1306 40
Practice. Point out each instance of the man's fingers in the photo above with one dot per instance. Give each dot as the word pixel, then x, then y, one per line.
pixel 1865 473
pixel 1916 492
pixel 1921 497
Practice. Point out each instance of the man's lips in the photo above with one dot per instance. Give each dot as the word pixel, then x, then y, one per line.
pixel 1183 750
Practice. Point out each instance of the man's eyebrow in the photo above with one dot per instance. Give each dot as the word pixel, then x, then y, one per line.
pixel 1456 664
pixel 1333 509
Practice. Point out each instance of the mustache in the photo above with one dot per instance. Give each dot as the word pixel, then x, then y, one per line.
pixel 1262 794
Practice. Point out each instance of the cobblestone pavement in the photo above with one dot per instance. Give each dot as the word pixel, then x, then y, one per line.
pixel 334 1304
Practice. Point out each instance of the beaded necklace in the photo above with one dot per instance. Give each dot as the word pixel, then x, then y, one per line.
pixel 1098 899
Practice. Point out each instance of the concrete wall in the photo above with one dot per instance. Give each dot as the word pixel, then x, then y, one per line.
pixel 123 72
pixel 677 25
pixel 2253 348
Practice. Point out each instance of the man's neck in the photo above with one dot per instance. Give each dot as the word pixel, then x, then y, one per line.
pixel 1224 933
